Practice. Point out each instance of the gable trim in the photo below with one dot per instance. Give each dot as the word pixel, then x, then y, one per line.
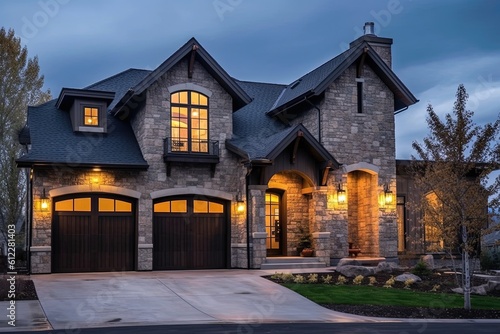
pixel 189 86
pixel 204 57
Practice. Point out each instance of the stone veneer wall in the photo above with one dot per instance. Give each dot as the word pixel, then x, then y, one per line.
pixel 353 138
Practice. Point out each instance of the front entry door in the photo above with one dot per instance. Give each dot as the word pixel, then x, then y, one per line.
pixel 274 224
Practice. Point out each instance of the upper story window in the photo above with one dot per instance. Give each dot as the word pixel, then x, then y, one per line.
pixel 189 122
pixel 91 116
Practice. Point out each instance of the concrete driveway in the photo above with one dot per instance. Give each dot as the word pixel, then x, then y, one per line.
pixel 179 297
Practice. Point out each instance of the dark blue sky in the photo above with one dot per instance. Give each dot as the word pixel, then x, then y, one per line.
pixel 437 44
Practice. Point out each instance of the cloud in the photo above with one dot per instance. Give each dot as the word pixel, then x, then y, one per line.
pixel 435 83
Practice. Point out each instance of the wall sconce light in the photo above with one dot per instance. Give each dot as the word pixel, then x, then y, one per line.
pixel 341 195
pixel 388 195
pixel 44 201
pixel 240 204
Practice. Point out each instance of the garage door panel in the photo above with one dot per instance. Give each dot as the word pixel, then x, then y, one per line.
pixel 116 243
pixel 195 239
pixel 73 238
pixel 169 242
pixel 94 240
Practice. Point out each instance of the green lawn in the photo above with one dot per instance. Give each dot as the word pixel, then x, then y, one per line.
pixel 368 295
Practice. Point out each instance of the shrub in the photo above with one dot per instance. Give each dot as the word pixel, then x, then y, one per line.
pixel 299 279
pixel 358 280
pixel 435 288
pixel 390 282
pixel 341 280
pixel 287 277
pixel 373 280
pixel 408 283
pixel 490 259
pixel 421 269
pixel 312 278
pixel 327 279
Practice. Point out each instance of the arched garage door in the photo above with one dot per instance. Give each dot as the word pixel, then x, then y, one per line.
pixel 93 232
pixel 190 233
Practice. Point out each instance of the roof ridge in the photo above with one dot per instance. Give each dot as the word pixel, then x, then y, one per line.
pixel 116 75
pixel 260 82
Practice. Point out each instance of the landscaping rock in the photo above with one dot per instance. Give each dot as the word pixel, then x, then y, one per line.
pixel 406 276
pixel 493 286
pixel 475 290
pixel 429 261
pixel 348 262
pixel 386 267
pixel 353 271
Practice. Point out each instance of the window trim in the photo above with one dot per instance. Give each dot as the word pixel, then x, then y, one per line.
pixel 189 106
pixel 79 115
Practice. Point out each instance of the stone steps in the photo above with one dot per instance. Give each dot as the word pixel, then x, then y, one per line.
pixel 292 262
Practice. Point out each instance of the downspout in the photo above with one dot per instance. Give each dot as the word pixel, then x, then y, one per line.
pixel 319 118
pixel 247 194
pixel 29 219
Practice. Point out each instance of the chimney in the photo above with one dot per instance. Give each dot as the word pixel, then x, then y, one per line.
pixel 381 45
pixel 369 28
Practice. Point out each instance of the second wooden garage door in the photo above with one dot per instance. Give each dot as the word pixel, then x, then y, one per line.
pixel 190 233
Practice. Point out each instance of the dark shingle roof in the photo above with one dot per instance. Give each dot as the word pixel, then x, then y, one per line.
pixel 310 81
pixel 120 83
pixel 55 143
pixel 255 132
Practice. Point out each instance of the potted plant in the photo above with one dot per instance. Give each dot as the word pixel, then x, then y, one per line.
pixel 305 244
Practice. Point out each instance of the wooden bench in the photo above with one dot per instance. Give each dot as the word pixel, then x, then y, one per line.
pixel 353 251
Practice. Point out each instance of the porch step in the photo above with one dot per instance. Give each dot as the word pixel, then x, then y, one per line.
pixel 292 262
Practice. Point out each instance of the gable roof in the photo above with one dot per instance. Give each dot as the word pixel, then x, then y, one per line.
pixel 226 81
pixel 258 136
pixel 317 81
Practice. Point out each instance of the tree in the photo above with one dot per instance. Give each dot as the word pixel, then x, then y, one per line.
pixel 20 86
pixel 451 169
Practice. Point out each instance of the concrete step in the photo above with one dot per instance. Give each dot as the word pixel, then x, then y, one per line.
pixel 292 262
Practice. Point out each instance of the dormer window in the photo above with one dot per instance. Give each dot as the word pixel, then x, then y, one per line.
pixel 87 108
pixel 91 116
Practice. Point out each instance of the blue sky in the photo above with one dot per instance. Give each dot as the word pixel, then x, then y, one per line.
pixel 437 44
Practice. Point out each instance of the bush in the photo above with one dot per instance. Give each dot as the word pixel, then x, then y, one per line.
pixel 490 259
pixel 421 269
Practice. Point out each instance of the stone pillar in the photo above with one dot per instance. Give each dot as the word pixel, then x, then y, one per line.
pixel 145 231
pixel 257 201
pixel 259 249
pixel 321 244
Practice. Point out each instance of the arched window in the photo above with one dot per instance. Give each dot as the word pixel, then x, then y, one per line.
pixel 189 122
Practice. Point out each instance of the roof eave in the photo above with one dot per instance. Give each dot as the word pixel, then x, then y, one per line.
pixel 47 164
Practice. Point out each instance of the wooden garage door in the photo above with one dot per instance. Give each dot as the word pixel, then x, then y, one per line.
pixel 190 233
pixel 93 233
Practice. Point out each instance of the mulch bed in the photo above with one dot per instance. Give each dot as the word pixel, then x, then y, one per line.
pixel 446 282
pixel 24 288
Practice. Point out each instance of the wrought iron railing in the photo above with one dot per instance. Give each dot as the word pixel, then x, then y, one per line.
pixel 191 146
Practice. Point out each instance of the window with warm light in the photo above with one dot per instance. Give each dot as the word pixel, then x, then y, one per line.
pixel 91 116
pixel 189 122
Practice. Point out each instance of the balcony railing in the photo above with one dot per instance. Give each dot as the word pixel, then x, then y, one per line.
pixel 185 150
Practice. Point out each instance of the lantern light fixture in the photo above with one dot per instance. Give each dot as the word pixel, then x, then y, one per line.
pixel 240 204
pixel 388 195
pixel 44 201
pixel 341 194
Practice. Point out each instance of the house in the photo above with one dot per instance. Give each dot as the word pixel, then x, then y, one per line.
pixel 185 167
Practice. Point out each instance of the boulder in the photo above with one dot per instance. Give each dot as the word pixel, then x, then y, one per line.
pixel 429 261
pixel 475 290
pixel 353 271
pixel 386 267
pixel 406 276
pixel 348 262
pixel 493 286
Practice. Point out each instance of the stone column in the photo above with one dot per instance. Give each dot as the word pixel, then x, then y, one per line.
pixel 321 244
pixel 145 231
pixel 257 201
